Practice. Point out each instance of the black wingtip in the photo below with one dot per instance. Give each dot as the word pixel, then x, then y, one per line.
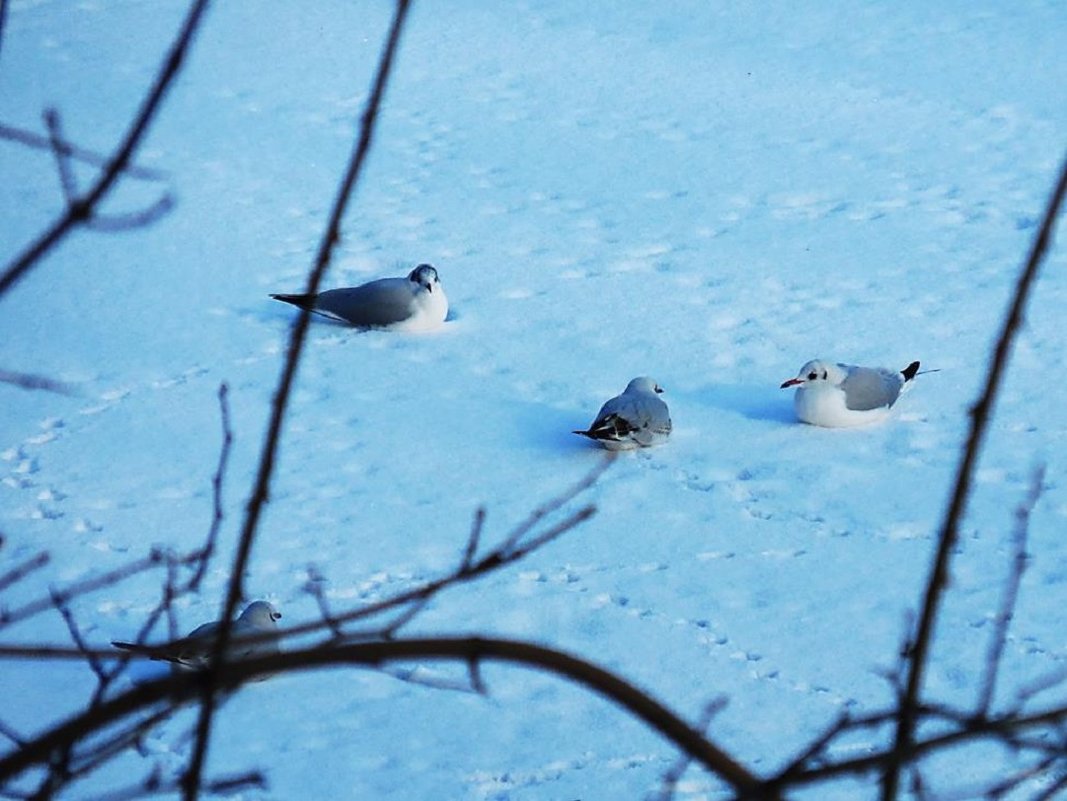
pixel 300 301
pixel 910 371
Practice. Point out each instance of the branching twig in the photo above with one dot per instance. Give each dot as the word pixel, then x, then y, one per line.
pixel 216 490
pixel 184 687
pixel 313 587
pixel 90 216
pixel 79 641
pixel 1011 592
pixel 79 213
pixel 153 785
pixel 937 581
pixel 20 571
pixel 35 140
pixel 62 156
pixel 671 778
pixel 77 589
pixel 32 381
pixel 473 540
pixel 261 489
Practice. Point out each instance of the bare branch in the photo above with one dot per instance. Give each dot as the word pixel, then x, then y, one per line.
pixel 313 586
pixel 172 64
pixel 261 489
pixel 3 22
pixel 674 775
pixel 83 213
pixel 216 489
pixel 20 571
pixel 11 734
pixel 472 541
pixel 79 641
pixel 32 381
pixel 554 504
pixel 35 140
pixel 112 223
pixel 66 174
pixel 1010 596
pixel 937 581
pixel 153 785
pixel 184 687
pixel 81 588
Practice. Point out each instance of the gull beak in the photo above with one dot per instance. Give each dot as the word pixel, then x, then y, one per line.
pixel 792 382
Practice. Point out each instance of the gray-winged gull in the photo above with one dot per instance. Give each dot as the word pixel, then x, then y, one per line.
pixel 837 395
pixel 637 418
pixel 416 302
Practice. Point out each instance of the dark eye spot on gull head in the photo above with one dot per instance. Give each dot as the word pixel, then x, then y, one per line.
pixel 425 275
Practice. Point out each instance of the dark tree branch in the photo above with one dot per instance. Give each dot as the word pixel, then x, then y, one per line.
pixel 77 207
pixel 62 156
pixel 671 778
pixel 31 381
pixel 79 641
pixel 261 490
pixel 1002 622
pixel 108 579
pixel 314 587
pixel 937 582
pixel 117 164
pixel 153 785
pixel 35 140
pixel 185 687
pixel 3 22
pixel 112 223
pixel 20 571
pixel 216 490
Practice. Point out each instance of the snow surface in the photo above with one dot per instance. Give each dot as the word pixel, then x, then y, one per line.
pixel 708 193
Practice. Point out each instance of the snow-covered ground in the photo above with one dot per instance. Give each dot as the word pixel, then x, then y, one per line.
pixel 708 193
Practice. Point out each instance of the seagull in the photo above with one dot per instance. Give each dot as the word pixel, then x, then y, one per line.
pixel 635 419
pixel 193 651
pixel 839 395
pixel 416 302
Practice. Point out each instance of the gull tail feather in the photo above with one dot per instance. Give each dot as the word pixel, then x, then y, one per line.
pixel 300 301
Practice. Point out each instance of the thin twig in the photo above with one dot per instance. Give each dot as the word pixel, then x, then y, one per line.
pixel 669 783
pixel 117 164
pixel 937 581
pixel 35 140
pixel 1010 595
pixel 67 181
pixel 153 785
pixel 89 215
pixel 181 687
pixel 3 22
pixel 11 734
pixel 33 381
pixel 313 586
pixel 261 490
pixel 477 524
pixel 112 577
pixel 112 223
pixel 20 571
pixel 216 489
pixel 552 505
pixel 79 641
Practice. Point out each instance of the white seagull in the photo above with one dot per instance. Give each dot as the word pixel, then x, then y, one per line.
pixel 193 651
pixel 840 395
pixel 635 419
pixel 416 302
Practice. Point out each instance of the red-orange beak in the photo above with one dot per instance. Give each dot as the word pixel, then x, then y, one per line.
pixel 792 382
